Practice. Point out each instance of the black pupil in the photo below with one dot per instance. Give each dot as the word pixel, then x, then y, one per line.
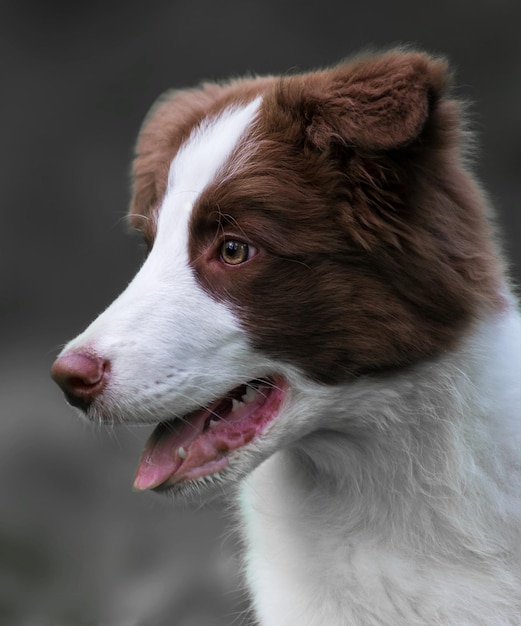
pixel 235 250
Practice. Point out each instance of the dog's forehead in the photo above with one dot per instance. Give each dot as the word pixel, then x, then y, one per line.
pixel 200 160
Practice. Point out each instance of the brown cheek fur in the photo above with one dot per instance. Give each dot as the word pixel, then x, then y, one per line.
pixel 375 249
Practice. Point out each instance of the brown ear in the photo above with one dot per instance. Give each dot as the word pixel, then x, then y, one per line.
pixel 375 103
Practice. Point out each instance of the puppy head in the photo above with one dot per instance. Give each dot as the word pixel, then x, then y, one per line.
pixel 305 232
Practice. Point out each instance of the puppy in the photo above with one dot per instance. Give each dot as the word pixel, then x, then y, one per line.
pixel 324 322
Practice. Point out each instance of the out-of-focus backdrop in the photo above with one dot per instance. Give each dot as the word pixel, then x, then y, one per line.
pixel 77 546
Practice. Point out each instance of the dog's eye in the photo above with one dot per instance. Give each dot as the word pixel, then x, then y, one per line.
pixel 235 252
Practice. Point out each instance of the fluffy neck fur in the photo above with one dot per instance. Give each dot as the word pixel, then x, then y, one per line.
pixel 404 508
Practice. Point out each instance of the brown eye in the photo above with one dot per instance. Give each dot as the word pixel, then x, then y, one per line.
pixel 236 252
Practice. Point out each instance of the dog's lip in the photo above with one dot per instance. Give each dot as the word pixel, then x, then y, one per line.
pixel 199 444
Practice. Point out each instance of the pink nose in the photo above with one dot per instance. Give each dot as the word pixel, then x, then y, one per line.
pixel 82 377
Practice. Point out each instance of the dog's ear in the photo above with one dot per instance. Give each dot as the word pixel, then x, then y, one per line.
pixel 377 103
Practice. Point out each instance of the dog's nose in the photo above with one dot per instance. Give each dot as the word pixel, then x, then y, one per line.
pixel 82 377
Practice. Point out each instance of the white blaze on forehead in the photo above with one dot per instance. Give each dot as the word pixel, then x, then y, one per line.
pixel 199 160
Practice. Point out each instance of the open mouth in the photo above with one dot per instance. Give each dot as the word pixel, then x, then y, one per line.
pixel 199 444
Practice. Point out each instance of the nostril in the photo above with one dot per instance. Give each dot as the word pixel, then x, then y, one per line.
pixel 81 376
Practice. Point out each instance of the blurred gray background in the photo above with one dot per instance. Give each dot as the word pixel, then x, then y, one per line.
pixel 77 546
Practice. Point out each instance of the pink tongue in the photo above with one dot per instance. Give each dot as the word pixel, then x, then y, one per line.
pixel 160 457
pixel 183 449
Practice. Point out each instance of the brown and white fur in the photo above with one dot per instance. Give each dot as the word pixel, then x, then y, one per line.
pixel 319 239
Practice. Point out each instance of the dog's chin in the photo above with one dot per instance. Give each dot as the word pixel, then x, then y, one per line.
pixel 207 489
pixel 211 448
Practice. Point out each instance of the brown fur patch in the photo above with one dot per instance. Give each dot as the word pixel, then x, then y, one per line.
pixel 374 246
pixel 169 124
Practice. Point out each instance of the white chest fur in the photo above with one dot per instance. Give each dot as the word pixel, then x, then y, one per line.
pixel 406 528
